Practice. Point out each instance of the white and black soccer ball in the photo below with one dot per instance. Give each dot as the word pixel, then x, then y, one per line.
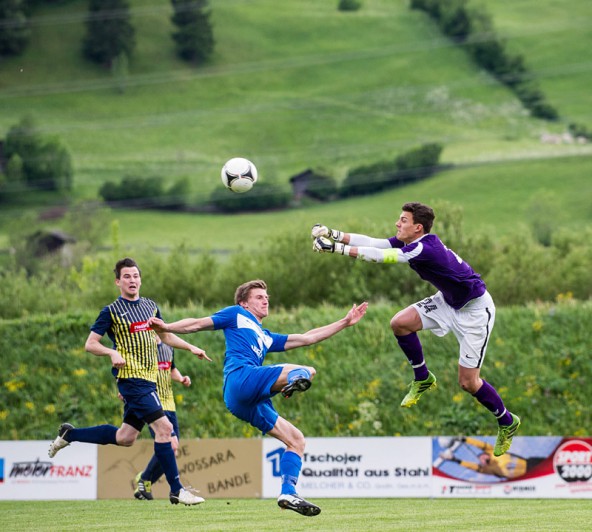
pixel 239 175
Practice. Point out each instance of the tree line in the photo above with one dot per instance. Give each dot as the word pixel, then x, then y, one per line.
pixel 110 33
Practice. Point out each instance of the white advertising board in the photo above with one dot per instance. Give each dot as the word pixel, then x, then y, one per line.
pixel 26 472
pixel 355 467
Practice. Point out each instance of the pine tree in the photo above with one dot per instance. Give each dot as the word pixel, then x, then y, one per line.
pixel 194 37
pixel 109 31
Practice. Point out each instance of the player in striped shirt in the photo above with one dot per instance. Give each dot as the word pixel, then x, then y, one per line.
pixel 134 360
pixel 167 373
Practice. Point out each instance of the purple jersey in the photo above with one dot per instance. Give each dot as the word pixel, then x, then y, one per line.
pixel 443 268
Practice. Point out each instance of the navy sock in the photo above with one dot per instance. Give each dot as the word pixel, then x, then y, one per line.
pixel 298 373
pixel 290 465
pixel 166 456
pixel 411 346
pixel 101 435
pixel 490 399
pixel 153 470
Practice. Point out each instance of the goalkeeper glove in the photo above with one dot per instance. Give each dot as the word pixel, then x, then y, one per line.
pixel 324 245
pixel 319 230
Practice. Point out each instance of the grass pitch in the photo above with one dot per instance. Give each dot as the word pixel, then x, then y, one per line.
pixel 337 514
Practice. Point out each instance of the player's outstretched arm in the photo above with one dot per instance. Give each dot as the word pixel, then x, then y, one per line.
pixel 178 343
pixel 184 326
pixel 355 314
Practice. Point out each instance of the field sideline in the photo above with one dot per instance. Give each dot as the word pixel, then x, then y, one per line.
pixel 338 514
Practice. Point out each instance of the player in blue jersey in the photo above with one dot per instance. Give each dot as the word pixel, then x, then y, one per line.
pixel 249 385
pixel 134 358
pixel 461 305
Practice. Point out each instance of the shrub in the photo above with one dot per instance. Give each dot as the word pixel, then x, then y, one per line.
pixel 349 5
pixel 46 162
pixel 263 197
pixel 367 179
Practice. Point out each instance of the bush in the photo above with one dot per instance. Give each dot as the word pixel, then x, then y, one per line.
pixel 263 197
pixel 367 179
pixel 133 191
pixel 45 161
pixel 349 5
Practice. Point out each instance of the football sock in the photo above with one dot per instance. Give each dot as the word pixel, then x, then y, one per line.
pixel 290 465
pixel 153 470
pixel 101 435
pixel 411 346
pixel 166 456
pixel 298 373
pixel 490 399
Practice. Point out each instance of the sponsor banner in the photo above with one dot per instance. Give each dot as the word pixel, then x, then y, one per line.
pixel 534 467
pixel 26 472
pixel 216 468
pixel 355 467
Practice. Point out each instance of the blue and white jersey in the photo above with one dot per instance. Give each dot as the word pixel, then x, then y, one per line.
pixel 247 342
pixel 441 267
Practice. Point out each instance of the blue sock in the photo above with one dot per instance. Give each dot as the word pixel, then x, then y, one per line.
pixel 411 346
pixel 101 435
pixel 166 456
pixel 290 465
pixel 153 470
pixel 298 373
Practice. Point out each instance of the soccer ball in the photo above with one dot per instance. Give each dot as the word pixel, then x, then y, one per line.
pixel 239 175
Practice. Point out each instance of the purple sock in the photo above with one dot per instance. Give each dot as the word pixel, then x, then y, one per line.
pixel 411 346
pixel 490 399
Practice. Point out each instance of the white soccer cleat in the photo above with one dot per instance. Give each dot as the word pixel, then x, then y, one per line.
pixel 59 443
pixel 185 497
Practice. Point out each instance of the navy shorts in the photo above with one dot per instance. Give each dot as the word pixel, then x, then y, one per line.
pixel 141 402
pixel 247 394
pixel 172 417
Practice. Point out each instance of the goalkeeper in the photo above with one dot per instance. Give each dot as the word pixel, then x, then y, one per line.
pixel 461 304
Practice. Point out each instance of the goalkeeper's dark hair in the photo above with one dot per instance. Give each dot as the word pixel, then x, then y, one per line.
pixel 422 214
pixel 125 263
pixel 242 292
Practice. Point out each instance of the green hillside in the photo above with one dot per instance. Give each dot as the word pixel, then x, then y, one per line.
pixel 307 86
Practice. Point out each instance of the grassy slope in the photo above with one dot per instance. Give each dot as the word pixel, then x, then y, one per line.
pixel 555 39
pixel 297 87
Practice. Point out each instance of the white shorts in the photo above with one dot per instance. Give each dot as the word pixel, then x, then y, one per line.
pixel 471 325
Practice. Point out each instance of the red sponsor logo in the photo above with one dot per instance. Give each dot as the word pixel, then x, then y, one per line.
pixel 164 366
pixel 573 461
pixel 84 471
pixel 138 326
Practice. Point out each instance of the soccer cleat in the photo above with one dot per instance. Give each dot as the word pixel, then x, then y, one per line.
pixel 505 433
pixel 59 443
pixel 298 385
pixel 185 497
pixel 143 488
pixel 417 389
pixel 298 504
